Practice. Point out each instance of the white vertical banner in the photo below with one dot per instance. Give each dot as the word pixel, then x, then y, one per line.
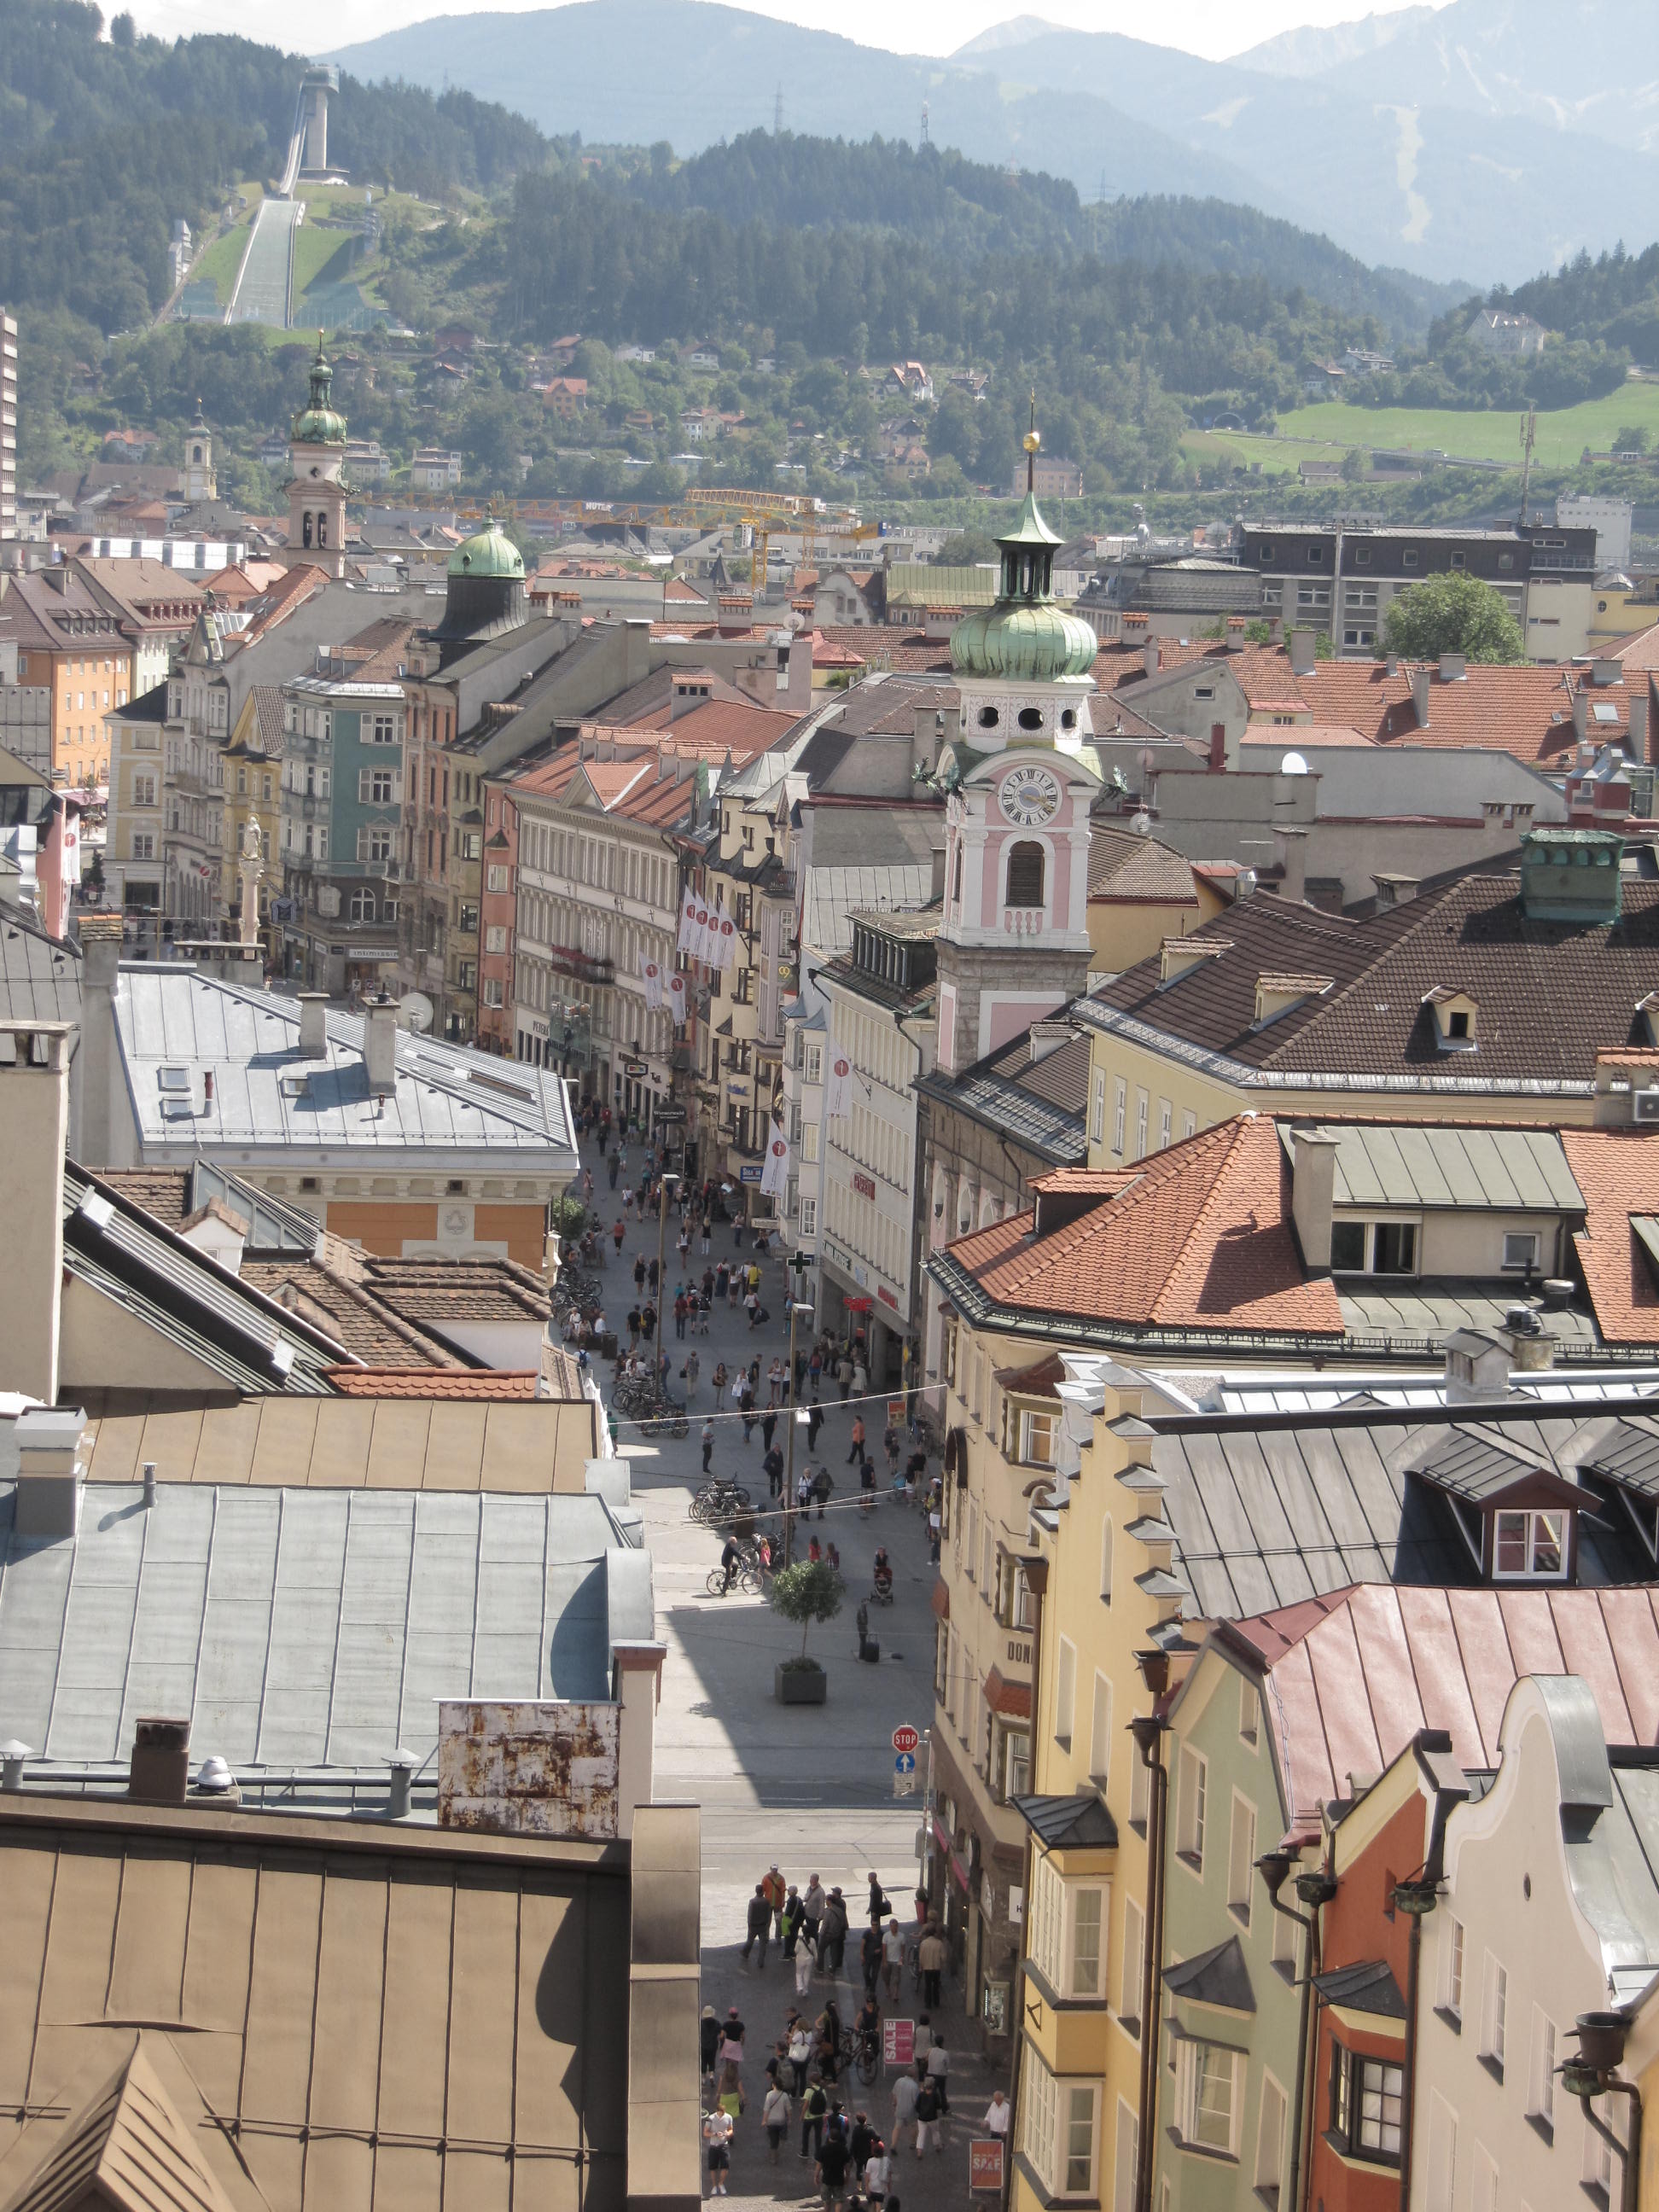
pixel 775 1175
pixel 688 921
pixel 726 938
pixel 838 1085
pixel 677 999
pixel 652 974
pixel 702 934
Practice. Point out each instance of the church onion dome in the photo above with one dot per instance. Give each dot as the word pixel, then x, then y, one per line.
pixel 1026 637
pixel 317 423
pixel 489 552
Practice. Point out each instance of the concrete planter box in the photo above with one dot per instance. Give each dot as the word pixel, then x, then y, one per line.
pixel 799 1685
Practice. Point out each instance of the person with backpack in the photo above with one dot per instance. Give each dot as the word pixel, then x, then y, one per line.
pixel 814 2108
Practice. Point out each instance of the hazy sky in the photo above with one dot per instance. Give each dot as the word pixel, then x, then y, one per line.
pixel 1215 27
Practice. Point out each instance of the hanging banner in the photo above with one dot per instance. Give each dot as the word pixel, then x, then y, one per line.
pixel 838 1087
pixel 703 935
pixel 688 922
pixel 652 971
pixel 677 999
pixel 726 938
pixel 775 1175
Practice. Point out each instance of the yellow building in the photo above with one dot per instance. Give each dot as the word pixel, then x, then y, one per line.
pixel 252 791
pixel 72 643
pixel 1141 891
pixel 133 866
pixel 1044 1804
pixel 1449 1003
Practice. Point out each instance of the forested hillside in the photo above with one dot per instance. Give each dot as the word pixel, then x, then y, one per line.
pixel 103 142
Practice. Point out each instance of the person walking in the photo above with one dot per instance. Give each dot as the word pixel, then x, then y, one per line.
pixel 832 1934
pixel 930 1957
pixel 717 2134
pixel 790 1921
pixel 679 1315
pixel 691 1370
pixel 638 1276
pixel 928 2129
pixel 615 1171
pixel 702 1237
pixel 824 1484
pixel 892 1955
pixel 998 2116
pixel 805 1960
pixel 856 1452
pixel 870 1961
pixel 708 2042
pixel 760 1910
pixel 800 2053
pixel 775 2117
pixel 844 1375
pixel 815 1372
pixel 939 2073
pixel 832 2167
pixel 906 2091
pixel 707 1442
pixel 814 1423
pixel 773 1887
pixel 877 2174
pixel 878 1901
pixel 812 1906
pixel 769 1426
pixel 773 1464
pixel 814 2108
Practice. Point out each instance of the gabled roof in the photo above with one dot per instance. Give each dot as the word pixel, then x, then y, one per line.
pixel 1353 1676
pixel 1077 1823
pixel 1201 1239
pixel 1126 869
pixel 128 2147
pixel 1618 1171
pixel 1551 995
pixel 1367 1986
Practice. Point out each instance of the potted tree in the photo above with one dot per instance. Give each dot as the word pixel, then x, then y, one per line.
pixel 811 1590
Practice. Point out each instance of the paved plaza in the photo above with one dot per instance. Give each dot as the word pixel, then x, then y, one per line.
pixel 809 1786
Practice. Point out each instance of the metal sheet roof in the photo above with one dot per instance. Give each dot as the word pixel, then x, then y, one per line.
pixel 299 1628
pixel 39 980
pixel 1490 1170
pixel 448 1101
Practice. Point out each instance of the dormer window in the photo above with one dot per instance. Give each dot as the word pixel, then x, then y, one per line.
pixel 1529 1546
pixel 1456 1018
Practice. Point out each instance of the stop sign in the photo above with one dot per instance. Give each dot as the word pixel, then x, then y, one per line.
pixel 905 1739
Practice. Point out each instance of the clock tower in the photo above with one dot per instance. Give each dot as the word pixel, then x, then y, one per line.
pixel 1013 944
pixel 317 490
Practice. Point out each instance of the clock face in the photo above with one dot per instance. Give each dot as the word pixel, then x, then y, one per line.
pixel 1030 796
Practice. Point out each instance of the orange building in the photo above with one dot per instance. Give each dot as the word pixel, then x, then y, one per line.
pixel 71 643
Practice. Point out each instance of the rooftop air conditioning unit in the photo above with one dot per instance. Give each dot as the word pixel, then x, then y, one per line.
pixel 1645 1104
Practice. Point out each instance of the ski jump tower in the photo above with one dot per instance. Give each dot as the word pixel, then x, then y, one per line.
pixel 315 87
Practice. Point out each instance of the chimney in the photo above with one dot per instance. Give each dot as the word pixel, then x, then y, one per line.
pixel 1313 1193
pixel 314 1024
pixel 1421 678
pixel 1638 742
pixel 160 1774
pixel 1476 1368
pixel 1151 656
pixel 381 1045
pixel 1453 667
pixel 96 1075
pixel 1581 714
pixel 1391 665
pixel 14 1757
pixel 1301 652
pixel 48 1503
pixel 34 1137
pixel 1606 670
pixel 400 1787
pixel 1290 850
pixel 1523 1336
pixel 1218 748
pixel 1236 640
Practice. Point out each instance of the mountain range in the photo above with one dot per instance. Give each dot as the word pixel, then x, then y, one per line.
pixel 1481 141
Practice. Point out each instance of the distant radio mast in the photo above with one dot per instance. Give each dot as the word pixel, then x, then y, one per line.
pixel 923 140
pixel 777 113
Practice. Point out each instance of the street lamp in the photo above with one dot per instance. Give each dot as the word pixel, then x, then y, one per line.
pixel 662 1224
pixel 796 1309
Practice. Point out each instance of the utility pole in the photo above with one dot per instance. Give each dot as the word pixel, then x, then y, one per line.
pixel 924 140
pixel 777 112
pixel 1528 431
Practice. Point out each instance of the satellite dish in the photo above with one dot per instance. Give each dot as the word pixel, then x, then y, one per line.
pixel 1293 764
pixel 415 1012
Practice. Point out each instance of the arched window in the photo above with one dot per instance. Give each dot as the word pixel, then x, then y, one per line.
pixel 322 530
pixel 1106 1562
pixel 305 529
pixel 1025 862
pixel 362 906
pixel 956 891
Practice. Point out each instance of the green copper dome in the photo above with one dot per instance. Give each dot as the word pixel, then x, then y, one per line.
pixel 1027 637
pixel 317 423
pixel 489 552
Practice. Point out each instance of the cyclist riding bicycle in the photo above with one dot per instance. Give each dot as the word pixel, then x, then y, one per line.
pixel 730 1560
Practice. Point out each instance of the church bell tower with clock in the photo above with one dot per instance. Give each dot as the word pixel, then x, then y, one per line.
pixel 1013 944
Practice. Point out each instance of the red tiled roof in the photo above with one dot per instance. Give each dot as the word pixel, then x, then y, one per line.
pixel 1618 1171
pixel 1201 1238
pixel 492 1384
pixel 1126 868
pixel 1355 1676
pixel 896 645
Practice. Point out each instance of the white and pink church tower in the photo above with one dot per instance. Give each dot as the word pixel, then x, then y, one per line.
pixel 1014 941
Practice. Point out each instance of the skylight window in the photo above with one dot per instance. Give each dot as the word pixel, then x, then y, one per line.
pixel 173 1079
pixel 1604 712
